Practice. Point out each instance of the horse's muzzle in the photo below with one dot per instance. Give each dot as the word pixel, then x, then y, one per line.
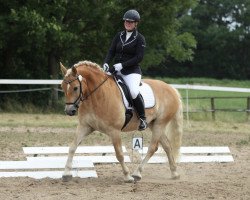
pixel 70 110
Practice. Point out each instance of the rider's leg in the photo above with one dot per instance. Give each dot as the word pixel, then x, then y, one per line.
pixel 133 82
pixel 139 106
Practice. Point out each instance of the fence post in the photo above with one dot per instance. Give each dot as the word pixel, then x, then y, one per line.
pixel 54 95
pixel 212 108
pixel 248 107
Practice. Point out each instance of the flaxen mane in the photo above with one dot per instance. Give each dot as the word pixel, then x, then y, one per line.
pixel 88 64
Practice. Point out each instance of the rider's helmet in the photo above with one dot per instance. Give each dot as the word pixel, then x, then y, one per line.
pixel 131 15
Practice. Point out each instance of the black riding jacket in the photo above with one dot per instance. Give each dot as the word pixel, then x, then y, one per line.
pixel 129 53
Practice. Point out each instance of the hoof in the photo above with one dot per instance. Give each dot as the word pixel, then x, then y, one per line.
pixel 175 176
pixel 136 177
pixel 66 178
pixel 129 179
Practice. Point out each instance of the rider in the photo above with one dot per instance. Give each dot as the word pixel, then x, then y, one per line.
pixel 127 49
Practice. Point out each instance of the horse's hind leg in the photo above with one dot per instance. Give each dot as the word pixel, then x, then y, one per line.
pixel 80 133
pixel 168 149
pixel 116 140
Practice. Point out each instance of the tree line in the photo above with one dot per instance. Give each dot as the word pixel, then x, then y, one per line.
pixel 35 35
pixel 190 38
pixel 222 31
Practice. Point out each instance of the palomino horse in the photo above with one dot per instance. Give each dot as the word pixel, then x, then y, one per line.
pixel 99 103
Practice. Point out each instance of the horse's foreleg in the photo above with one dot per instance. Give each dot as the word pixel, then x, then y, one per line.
pixel 80 133
pixel 167 148
pixel 151 150
pixel 116 140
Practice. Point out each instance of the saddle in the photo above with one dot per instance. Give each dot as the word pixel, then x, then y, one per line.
pixel 145 91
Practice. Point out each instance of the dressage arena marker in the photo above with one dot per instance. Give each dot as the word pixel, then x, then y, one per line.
pixel 212 154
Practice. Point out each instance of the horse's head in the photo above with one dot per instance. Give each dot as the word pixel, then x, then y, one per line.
pixel 72 87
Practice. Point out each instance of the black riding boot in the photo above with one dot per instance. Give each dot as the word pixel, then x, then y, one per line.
pixel 139 106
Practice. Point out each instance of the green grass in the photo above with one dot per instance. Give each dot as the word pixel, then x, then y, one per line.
pixel 37 120
pixel 207 81
pixel 196 104
pixel 191 98
pixel 18 130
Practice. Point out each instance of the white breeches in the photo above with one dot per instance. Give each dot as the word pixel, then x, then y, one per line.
pixel 133 82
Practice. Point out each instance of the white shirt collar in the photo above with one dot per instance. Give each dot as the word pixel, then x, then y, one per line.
pixel 128 34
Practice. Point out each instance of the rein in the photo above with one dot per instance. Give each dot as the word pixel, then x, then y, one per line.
pixel 81 96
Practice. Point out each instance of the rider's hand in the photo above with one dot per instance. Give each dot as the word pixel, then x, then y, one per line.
pixel 105 67
pixel 112 70
pixel 118 67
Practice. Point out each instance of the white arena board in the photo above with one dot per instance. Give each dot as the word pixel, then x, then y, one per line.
pixel 194 150
pixel 43 165
pixel 193 159
pixel 49 174
pixel 94 159
pixel 193 154
pixel 65 150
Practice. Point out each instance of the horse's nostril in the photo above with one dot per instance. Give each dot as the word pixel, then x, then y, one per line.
pixel 73 112
pixel 70 110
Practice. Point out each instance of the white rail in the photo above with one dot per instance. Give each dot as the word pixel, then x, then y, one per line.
pixel 30 82
pixel 178 86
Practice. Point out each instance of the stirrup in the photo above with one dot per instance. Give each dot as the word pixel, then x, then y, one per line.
pixel 143 124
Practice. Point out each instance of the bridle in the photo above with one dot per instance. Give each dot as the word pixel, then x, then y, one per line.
pixel 81 96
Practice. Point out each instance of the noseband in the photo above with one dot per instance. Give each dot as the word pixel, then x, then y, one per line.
pixel 81 96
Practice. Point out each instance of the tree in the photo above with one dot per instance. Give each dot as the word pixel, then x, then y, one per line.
pixel 221 29
pixel 36 35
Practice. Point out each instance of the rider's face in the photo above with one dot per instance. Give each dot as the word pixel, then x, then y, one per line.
pixel 130 25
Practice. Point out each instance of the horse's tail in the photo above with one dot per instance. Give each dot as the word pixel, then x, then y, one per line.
pixel 174 131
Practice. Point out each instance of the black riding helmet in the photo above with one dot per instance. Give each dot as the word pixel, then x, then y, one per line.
pixel 131 15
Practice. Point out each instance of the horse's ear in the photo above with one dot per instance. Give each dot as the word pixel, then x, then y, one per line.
pixel 63 69
pixel 74 71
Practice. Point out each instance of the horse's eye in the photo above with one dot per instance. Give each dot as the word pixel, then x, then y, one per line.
pixel 75 88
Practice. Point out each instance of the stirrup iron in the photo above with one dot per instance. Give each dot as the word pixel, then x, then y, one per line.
pixel 143 124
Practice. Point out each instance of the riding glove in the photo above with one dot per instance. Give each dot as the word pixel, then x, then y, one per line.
pixel 118 67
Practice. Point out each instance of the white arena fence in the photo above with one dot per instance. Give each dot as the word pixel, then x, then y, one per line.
pixel 54 88
pixel 177 86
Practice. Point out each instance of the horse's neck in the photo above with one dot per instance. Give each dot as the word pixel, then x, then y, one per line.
pixel 104 100
pixel 94 80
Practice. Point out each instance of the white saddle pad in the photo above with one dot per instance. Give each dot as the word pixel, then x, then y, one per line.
pixel 147 94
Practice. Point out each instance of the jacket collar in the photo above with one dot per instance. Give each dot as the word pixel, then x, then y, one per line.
pixel 130 40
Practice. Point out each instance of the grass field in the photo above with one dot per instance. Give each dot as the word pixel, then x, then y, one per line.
pixel 236 101
pixel 207 81
pixel 46 129
pixel 231 105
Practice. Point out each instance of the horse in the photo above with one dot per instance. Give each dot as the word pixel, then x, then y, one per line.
pixel 94 96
